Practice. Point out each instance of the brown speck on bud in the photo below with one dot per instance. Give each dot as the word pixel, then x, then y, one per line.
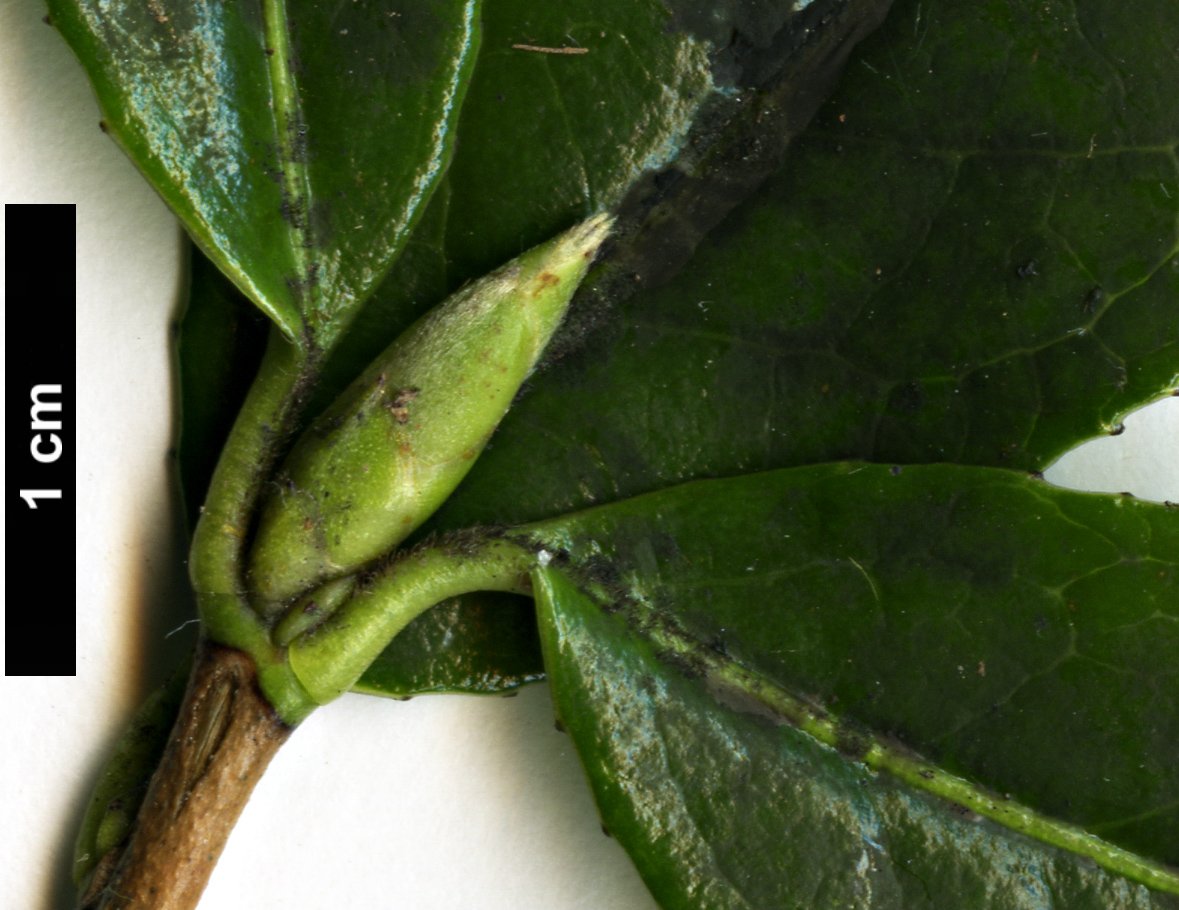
pixel 456 372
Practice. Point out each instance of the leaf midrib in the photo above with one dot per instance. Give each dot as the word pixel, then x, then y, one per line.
pixel 732 684
pixel 295 180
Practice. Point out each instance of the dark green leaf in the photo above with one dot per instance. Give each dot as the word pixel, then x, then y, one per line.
pixel 687 630
pixel 883 299
pixel 732 143
pixel 955 159
pixel 545 138
pixel 869 302
pixel 483 643
pixel 297 142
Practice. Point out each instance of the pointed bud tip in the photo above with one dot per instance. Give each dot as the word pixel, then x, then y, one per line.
pixel 570 254
pixel 553 270
pixel 490 333
pixel 588 235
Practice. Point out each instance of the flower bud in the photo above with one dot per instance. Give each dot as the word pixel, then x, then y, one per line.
pixel 393 446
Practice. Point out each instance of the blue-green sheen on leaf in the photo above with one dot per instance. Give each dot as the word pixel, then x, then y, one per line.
pixel 1023 638
pixel 724 809
pixel 1025 300
pixel 941 270
pixel 298 142
pixel 544 141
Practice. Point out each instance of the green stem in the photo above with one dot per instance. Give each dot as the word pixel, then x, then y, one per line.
pixel 329 658
pixel 217 558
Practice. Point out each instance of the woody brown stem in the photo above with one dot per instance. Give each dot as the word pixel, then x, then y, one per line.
pixel 224 737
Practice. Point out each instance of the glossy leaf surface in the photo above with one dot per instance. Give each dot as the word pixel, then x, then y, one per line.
pixel 546 139
pixel 972 258
pixel 922 605
pixel 481 643
pixel 566 155
pixel 941 270
pixel 582 127
pixel 297 142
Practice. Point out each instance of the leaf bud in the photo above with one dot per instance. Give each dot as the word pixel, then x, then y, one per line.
pixel 386 454
pixel 313 608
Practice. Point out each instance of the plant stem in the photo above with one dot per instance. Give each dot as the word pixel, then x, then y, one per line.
pixel 225 736
pixel 329 658
pixel 241 700
pixel 272 405
pixel 119 792
pixel 218 554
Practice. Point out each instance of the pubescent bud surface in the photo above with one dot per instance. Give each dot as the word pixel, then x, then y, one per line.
pixel 386 454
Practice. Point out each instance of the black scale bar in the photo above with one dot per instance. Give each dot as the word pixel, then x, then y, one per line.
pixel 40 443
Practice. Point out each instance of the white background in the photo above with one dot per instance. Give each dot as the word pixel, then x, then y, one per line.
pixel 436 804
